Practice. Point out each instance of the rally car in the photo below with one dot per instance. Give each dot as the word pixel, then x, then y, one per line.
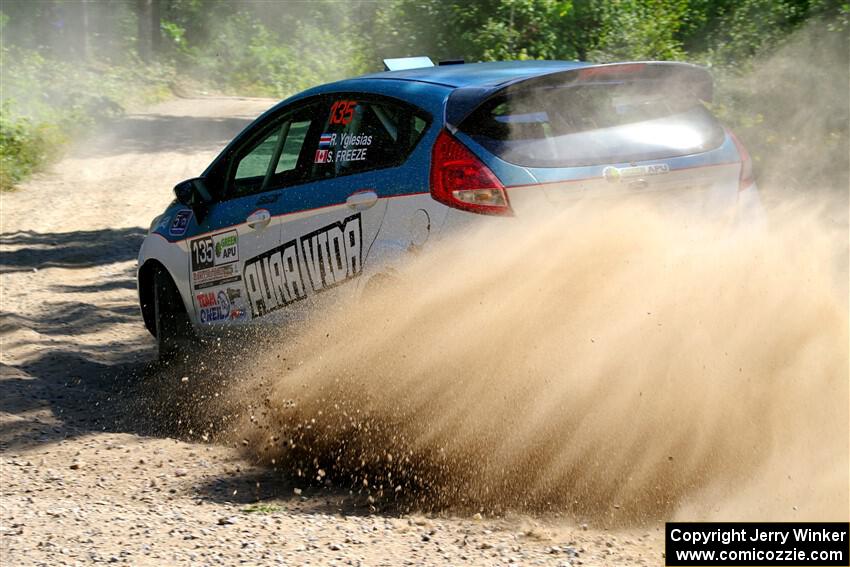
pixel 329 187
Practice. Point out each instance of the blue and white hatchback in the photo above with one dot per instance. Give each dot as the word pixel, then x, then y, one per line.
pixel 333 185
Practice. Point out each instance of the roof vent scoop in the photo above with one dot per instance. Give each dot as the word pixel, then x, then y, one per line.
pixel 404 63
pixel 451 62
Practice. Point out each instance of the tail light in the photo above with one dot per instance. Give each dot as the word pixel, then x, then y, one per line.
pixel 746 178
pixel 461 180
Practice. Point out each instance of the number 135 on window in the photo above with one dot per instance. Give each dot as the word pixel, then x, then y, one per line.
pixel 342 111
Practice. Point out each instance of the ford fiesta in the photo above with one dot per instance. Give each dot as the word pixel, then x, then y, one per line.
pixel 332 185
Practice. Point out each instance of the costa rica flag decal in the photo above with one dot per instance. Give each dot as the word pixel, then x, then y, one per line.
pixel 325 140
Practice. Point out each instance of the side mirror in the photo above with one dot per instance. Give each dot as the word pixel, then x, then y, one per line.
pixel 194 194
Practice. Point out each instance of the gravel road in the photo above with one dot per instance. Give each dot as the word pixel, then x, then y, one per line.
pixel 93 473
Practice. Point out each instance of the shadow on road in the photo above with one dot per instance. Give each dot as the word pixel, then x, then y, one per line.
pixel 254 488
pixel 85 317
pixel 27 250
pixel 156 133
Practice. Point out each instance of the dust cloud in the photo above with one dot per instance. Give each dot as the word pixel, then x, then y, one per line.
pixel 604 364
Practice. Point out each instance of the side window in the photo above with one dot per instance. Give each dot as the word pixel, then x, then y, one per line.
pixel 252 168
pixel 292 146
pixel 359 135
pixel 277 157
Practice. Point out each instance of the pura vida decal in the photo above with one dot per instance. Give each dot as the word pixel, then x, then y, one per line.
pixel 310 264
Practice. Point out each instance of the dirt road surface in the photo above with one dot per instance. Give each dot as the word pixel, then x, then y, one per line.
pixel 91 472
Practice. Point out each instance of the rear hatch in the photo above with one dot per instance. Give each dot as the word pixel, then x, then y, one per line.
pixel 637 130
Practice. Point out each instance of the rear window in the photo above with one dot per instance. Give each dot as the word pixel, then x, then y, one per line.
pixel 569 126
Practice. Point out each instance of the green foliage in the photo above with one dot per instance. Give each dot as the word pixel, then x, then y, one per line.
pixel 22 148
pixel 753 25
pixel 244 53
pixel 175 33
pixel 791 107
pixel 522 29
pixel 484 30
pixel 48 102
pixel 640 30
pixel 258 63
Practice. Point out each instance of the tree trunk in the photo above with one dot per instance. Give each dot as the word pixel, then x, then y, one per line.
pixel 84 48
pixel 143 36
pixel 156 24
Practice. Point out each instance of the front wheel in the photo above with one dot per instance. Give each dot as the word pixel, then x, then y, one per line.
pixel 173 328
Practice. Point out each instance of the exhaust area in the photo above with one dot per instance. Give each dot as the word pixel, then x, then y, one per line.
pixel 603 363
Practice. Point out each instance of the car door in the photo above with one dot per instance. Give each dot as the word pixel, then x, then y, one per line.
pixel 245 222
pixel 337 212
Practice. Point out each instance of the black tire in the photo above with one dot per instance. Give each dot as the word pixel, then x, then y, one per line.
pixel 173 328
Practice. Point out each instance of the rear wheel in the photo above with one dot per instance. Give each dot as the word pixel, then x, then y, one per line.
pixel 173 328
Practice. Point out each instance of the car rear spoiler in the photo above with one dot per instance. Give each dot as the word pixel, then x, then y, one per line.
pixel 695 80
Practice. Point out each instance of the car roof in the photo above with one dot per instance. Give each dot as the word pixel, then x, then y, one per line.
pixel 477 74
pixel 433 84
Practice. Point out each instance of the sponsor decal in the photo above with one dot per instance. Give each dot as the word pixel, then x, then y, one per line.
pixel 315 262
pixel 615 174
pixel 180 222
pixel 222 305
pixel 274 279
pixel 213 258
pixel 217 275
pixel 226 247
pixel 342 111
pixel 215 250
pixel 238 307
pixel 332 254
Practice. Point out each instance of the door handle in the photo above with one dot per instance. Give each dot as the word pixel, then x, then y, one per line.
pixel 259 219
pixel 362 200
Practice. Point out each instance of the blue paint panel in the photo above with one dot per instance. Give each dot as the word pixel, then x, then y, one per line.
pixel 235 211
pixel 411 177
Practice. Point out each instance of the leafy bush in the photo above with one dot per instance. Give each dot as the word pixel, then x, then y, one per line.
pixel 791 107
pixel 47 102
pixel 23 148
pixel 243 55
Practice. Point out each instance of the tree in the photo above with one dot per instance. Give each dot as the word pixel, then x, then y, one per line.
pixel 149 35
